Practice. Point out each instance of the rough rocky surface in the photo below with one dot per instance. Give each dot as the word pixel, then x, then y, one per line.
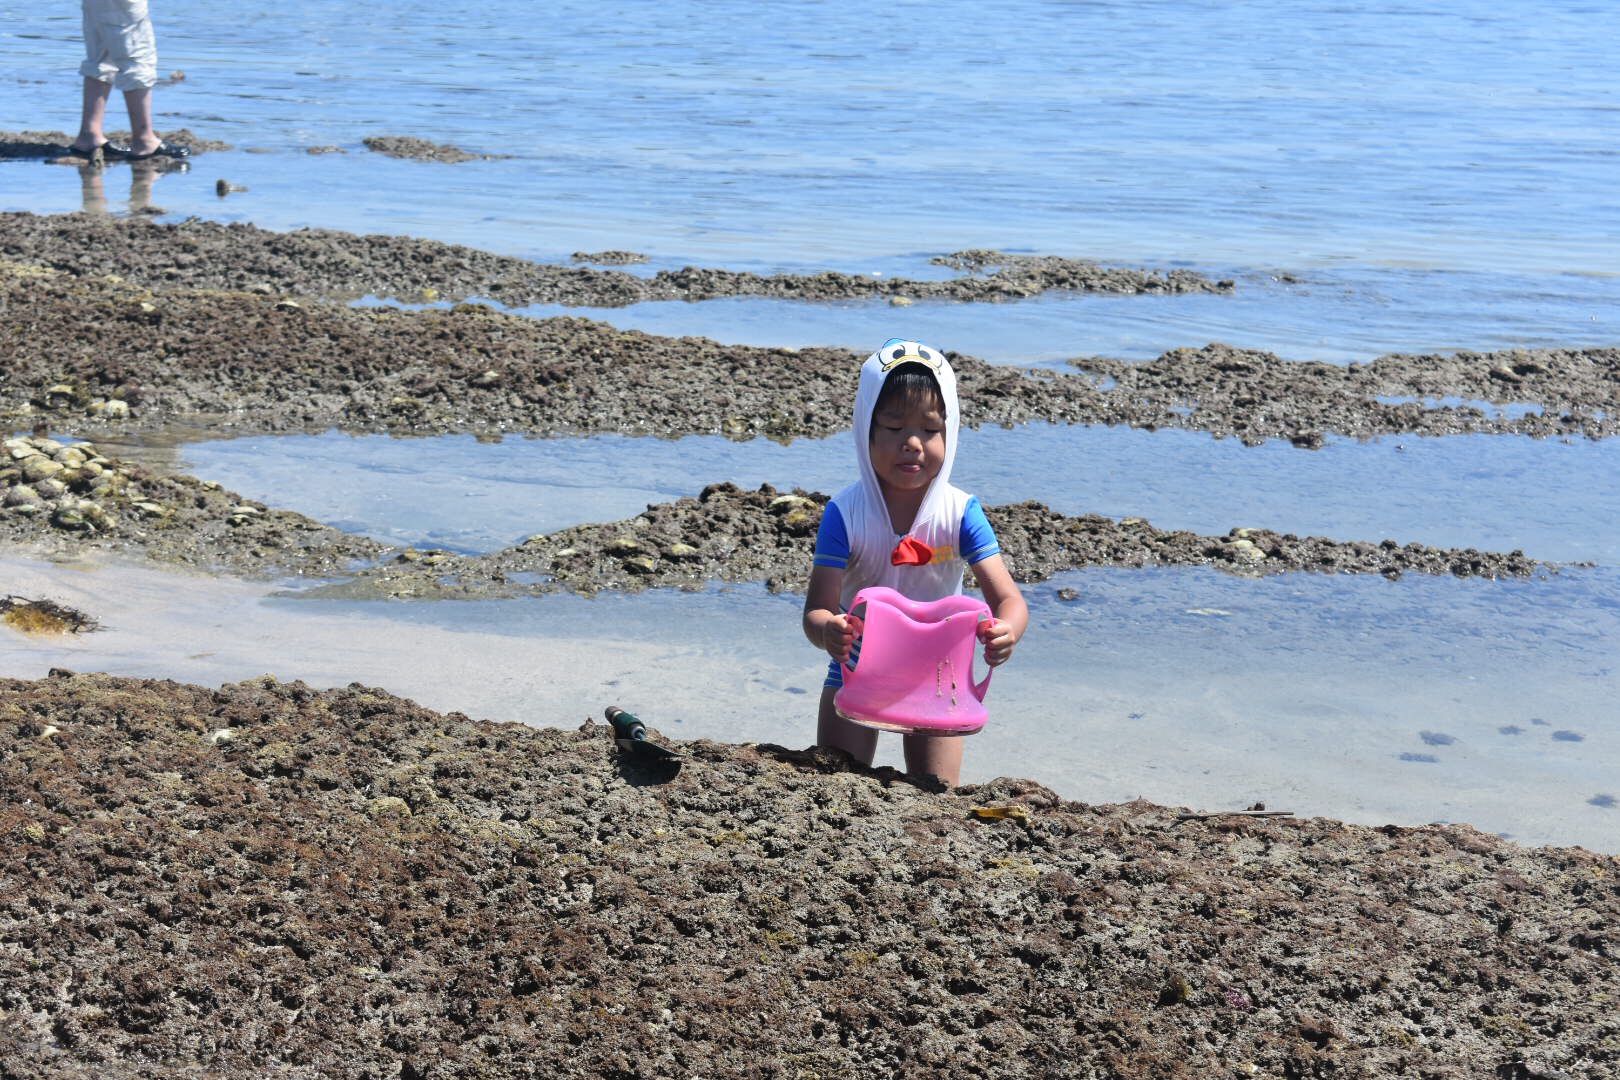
pixel 728 534
pixel 50 144
pixel 414 149
pixel 262 362
pixel 610 258
pixel 326 263
pixel 268 880
pixel 72 497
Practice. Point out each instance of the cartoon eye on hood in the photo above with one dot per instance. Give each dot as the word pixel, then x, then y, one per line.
pixel 897 351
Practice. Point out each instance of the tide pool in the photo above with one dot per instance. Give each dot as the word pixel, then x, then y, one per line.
pixel 1554 500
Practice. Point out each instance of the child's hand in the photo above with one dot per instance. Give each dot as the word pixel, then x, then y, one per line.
pixel 999 639
pixel 839 634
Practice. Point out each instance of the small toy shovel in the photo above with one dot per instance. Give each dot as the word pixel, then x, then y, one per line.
pixel 631 735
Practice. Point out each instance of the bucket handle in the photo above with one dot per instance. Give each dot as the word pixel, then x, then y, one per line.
pixel 860 629
pixel 982 687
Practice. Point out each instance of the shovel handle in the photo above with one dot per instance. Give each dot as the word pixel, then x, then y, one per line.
pixel 625 725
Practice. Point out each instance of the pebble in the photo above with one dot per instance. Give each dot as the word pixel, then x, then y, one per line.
pixel 40 468
pixel 388 805
pixel 22 495
pixel 681 551
pixel 69 517
pixel 624 545
pixel 641 564
pixel 1247 551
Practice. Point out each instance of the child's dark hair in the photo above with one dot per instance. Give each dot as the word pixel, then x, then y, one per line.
pixel 905 385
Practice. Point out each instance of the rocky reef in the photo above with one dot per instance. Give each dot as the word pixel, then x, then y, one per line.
pixel 71 497
pixel 177 350
pixel 268 879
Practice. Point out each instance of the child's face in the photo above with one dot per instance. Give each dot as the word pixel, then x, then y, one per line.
pixel 908 444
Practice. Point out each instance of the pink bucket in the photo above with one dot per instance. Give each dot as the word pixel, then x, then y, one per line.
pixel 915 671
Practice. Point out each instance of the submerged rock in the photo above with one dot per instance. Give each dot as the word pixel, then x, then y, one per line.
pixel 44 617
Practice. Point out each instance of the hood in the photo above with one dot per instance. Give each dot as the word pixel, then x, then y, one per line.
pixel 897 351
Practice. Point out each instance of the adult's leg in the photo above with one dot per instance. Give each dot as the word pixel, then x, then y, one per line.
pixel 94 114
pixel 935 755
pixel 834 730
pixel 142 139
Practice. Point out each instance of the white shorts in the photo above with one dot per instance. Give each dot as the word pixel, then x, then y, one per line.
pixel 119 46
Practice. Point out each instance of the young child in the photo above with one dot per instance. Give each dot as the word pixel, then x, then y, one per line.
pixel 903 525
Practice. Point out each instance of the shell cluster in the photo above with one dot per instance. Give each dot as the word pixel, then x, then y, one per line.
pixel 67 484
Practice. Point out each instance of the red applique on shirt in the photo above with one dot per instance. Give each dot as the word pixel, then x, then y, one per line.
pixel 911 552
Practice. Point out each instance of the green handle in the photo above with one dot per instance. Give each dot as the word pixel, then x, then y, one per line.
pixel 625 725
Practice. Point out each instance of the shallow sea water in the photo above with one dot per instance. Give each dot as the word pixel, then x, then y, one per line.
pixel 1398 177
pixel 1427 699
pixel 1556 501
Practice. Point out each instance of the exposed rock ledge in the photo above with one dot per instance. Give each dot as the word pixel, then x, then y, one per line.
pixel 264 879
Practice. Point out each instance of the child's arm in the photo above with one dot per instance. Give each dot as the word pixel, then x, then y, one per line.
pixel 1011 614
pixel 823 625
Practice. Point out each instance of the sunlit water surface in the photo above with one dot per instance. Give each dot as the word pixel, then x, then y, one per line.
pixel 1425 699
pixel 1555 500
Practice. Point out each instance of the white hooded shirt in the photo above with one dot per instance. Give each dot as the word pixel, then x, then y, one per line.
pixel 938 524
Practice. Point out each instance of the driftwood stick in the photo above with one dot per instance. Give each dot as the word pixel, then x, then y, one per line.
pixel 1234 813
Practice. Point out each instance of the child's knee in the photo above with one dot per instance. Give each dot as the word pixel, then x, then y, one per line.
pixel 835 731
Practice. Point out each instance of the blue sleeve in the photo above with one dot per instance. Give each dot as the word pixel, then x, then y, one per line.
pixel 978 540
pixel 832 539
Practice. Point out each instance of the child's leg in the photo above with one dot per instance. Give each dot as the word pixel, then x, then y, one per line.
pixel 834 730
pixel 935 755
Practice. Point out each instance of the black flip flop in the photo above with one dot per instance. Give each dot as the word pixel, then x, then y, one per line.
pixel 106 150
pixel 164 150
